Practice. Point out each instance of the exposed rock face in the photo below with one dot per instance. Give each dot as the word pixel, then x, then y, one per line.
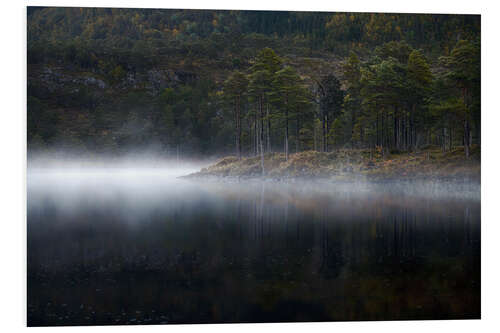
pixel 93 81
pixel 155 80
pixel 185 77
pixel 56 78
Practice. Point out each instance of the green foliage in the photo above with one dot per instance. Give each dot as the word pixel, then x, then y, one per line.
pixel 352 71
pixel 464 72
pixel 335 135
pixel 260 83
pixel 290 95
pixel 118 73
pixel 42 123
pixel 464 64
pixel 236 84
pixel 399 50
pixel 389 90
pixel 331 96
pixel 266 60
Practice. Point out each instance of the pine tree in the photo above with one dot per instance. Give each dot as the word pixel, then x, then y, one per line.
pixel 290 96
pixel 419 81
pixel 352 100
pixel 464 64
pixel 235 89
pixel 331 97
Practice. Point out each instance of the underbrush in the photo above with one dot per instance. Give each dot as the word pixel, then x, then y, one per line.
pixel 430 162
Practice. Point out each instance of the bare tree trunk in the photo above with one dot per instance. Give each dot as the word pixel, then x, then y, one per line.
pixel 451 138
pixel 324 132
pixel 443 143
pixel 466 138
pixel 327 132
pixel 400 130
pixel 255 134
pixel 470 135
pixel 410 129
pixel 477 127
pixel 386 131
pixel 395 129
pixel 268 129
pixel 238 128
pixel 405 131
pixel 257 141
pixel 353 122
pixel 314 136
pixel 286 133
pixel 414 129
pixel 383 135
pixel 297 136
pixel 261 134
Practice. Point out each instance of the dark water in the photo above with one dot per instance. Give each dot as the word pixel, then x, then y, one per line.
pixel 125 248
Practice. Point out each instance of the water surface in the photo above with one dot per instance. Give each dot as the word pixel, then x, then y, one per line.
pixel 140 246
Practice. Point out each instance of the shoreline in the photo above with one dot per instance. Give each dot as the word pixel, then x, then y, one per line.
pixel 348 166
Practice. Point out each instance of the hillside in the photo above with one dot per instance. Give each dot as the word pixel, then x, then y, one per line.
pixel 108 81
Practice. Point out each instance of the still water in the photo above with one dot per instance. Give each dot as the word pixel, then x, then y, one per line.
pixel 140 246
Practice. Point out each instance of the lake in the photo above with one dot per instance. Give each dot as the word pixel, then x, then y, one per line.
pixel 141 246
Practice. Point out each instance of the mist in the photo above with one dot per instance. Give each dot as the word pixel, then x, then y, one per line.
pixel 133 186
pixel 125 237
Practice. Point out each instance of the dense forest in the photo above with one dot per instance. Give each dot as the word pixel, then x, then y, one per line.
pixel 205 83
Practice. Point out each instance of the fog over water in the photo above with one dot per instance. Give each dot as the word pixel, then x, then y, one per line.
pixel 128 241
pixel 125 177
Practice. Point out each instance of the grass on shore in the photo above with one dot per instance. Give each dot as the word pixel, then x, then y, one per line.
pixel 427 163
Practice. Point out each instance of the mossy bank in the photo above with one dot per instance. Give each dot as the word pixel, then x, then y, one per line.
pixel 426 164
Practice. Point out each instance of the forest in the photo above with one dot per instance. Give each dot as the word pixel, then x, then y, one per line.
pixel 246 83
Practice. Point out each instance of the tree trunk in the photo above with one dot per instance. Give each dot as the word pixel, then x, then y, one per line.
pixel 314 137
pixel 405 131
pixel 466 125
pixel 414 129
pixel 383 134
pixel 353 122
pixel 286 133
pixel 466 138
pixel 410 129
pixel 451 138
pixel 255 134
pixel 324 132
pixel 238 128
pixel 268 129
pixel 261 134
pixel 297 136
pixel 477 127
pixel 326 136
pixel 386 132
pixel 400 133
pixel 443 141
pixel 395 129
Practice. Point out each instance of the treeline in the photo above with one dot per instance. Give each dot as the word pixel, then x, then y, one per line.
pixel 250 82
pixel 392 102
pixel 88 33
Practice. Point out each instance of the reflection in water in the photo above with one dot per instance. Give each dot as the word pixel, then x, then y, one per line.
pixel 147 248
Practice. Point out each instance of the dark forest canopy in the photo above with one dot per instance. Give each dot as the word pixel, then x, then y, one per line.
pixel 250 82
